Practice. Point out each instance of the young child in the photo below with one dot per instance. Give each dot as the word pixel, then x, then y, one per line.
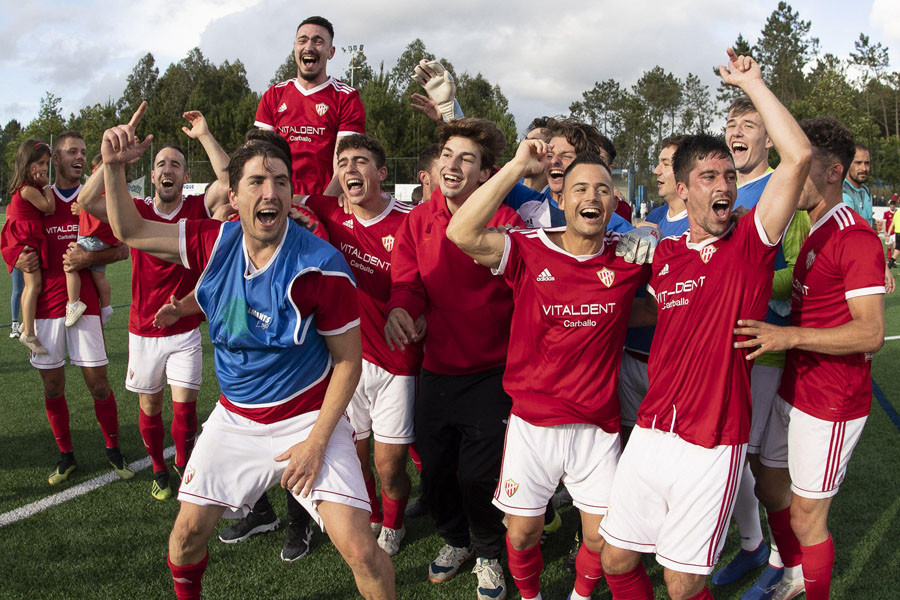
pixel 31 197
pixel 93 235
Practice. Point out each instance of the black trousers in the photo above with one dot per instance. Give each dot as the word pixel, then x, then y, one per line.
pixel 460 423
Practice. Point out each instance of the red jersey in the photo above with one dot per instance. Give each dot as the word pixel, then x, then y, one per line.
pixel 367 247
pixel 311 121
pixel 841 259
pixel 23 227
pixel 699 383
pixel 889 222
pixel 91 226
pixel 568 329
pixel 60 228
pixel 467 309
pixel 154 280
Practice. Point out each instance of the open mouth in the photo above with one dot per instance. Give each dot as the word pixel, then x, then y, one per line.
pixel 589 213
pixel 167 183
pixel 267 216
pixel 555 174
pixel 739 148
pixel 309 60
pixel 354 184
pixel 721 208
pixel 452 180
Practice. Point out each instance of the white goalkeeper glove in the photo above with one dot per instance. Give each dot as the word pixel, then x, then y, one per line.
pixel 637 246
pixel 440 87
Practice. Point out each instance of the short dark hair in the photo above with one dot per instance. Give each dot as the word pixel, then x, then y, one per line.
pixel 695 148
pixel 860 146
pixel 672 140
pixel 95 162
pixel 537 123
pixel 586 158
pixel 416 196
pixel 831 141
pixel 176 148
pixel 359 141
pixel 267 135
pixel 584 137
pixel 251 150
pixel 481 131
pixel 321 22
pixel 68 134
pixel 427 157
pixel 741 106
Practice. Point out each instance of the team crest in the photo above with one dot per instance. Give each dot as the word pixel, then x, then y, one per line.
pixel 321 108
pixel 282 108
pixel 707 253
pixel 810 257
pixel 606 276
pixel 510 487
pixel 388 242
pixel 188 475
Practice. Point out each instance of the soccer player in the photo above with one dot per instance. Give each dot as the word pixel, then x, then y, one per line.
pixel 856 194
pixel 674 488
pixel 672 220
pixel 312 110
pixel 837 322
pixel 426 170
pixel 748 139
pixel 172 354
pixel 889 231
pixel 537 130
pixel 461 407
pixel 572 300
pixel 84 340
pixel 382 405
pixel 283 318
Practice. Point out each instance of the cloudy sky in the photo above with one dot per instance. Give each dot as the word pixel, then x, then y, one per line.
pixel 542 54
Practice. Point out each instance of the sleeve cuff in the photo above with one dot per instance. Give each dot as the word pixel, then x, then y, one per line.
pixel 869 291
pixel 505 259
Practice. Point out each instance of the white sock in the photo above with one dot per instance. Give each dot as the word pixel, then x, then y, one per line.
pixel 576 596
pixel 793 573
pixel 538 597
pixel 105 313
pixel 774 554
pixel 746 512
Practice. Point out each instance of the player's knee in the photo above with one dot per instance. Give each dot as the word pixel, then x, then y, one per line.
pixel 54 387
pixel 592 539
pixel 523 538
pixel 99 388
pixel 393 475
pixel 362 556
pixel 186 538
pixel 617 561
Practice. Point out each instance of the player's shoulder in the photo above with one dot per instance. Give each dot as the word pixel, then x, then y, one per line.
pixel 658 214
pixel 342 88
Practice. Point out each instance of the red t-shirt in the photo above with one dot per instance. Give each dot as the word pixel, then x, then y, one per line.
pixel 23 227
pixel 699 383
pixel 841 258
pixel 467 309
pixel 889 222
pixel 60 228
pixel 568 329
pixel 91 226
pixel 331 297
pixel 154 280
pixel 311 121
pixel 367 246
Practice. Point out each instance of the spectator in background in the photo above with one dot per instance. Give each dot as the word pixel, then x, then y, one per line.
pixel 856 194
pixel 427 172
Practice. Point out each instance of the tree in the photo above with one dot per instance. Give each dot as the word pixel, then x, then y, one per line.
pixel 358 72
pixel 873 61
pixel 9 142
pixel 49 121
pixel 697 105
pixel 92 121
pixel 782 51
pixel 725 93
pixel 414 52
pixel 481 99
pixel 287 70
pixel 140 85
pixel 661 94
pixel 598 107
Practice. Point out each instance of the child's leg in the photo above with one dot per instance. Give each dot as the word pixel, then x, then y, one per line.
pixel 33 282
pixel 103 288
pixel 73 286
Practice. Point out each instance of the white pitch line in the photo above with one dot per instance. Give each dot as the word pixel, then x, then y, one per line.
pixel 892 337
pixel 29 510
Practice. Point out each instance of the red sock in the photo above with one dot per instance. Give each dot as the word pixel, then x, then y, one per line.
pixel 817 563
pixel 525 566
pixel 704 594
pixel 153 434
pixel 633 585
pixel 393 510
pixel 588 570
pixel 58 415
pixel 376 516
pixel 184 430
pixel 188 579
pixel 788 545
pixel 108 417
pixel 414 455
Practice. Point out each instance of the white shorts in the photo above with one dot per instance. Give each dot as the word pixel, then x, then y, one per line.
pixel 633 386
pixel 83 340
pixel 536 459
pixel 764 382
pixel 233 463
pixel 178 357
pixel 673 498
pixel 822 449
pixel 383 404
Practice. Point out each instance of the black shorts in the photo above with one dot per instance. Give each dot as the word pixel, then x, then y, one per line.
pixel 897 240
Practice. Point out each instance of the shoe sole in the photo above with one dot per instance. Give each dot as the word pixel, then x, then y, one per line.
pixel 58 478
pixel 255 531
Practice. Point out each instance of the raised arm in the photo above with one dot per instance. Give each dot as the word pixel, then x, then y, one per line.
pixel 467 228
pixel 217 192
pixel 120 145
pixel 782 193
pixel 91 195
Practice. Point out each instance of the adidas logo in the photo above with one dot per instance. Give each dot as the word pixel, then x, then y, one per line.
pixel 546 276
pixel 282 108
pixel 348 223
pixel 665 270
